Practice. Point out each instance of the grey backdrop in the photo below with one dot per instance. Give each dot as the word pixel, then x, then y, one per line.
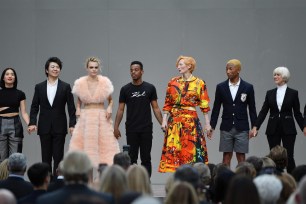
pixel 262 34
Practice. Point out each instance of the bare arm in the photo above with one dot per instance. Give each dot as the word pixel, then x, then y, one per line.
pixel 118 119
pixel 157 112
pixel 109 108
pixel 78 107
pixel 23 111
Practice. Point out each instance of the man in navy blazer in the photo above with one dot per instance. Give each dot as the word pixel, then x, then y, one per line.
pixel 50 99
pixel 237 97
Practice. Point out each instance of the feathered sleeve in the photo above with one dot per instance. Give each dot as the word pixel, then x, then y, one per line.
pixel 76 87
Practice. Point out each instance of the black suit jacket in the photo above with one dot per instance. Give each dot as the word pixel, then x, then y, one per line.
pixel 56 184
pixel 52 118
pixel 235 112
pixel 73 192
pixel 290 104
pixel 31 199
pixel 305 116
pixel 18 186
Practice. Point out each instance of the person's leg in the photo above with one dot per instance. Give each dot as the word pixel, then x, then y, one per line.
pixel 3 141
pixel 145 150
pixel 133 140
pixel 46 149
pixel 226 146
pixel 240 157
pixel 288 143
pixel 58 143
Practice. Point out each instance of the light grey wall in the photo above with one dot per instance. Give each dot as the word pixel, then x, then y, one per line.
pixel 262 34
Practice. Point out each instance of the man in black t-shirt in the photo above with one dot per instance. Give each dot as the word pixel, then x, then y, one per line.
pixel 139 96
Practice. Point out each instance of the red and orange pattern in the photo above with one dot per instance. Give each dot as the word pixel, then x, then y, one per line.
pixel 184 141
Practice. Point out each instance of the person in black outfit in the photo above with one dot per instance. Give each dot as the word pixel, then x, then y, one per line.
pixel 39 176
pixel 283 103
pixel 50 99
pixel 139 96
pixel 11 100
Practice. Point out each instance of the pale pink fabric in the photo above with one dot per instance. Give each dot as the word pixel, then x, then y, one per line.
pixel 94 134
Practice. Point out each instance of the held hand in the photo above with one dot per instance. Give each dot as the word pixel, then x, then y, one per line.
pixel 117 133
pixel 164 126
pixel 71 130
pixel 210 133
pixel 32 128
pixel 253 132
pixel 108 115
pixel 304 131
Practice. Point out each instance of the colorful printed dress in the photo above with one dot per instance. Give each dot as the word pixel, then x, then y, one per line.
pixel 184 141
pixel 93 133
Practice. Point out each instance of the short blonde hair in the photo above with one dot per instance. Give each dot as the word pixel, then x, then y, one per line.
pixel 235 62
pixel 181 192
pixel 93 59
pixel 188 61
pixel 284 72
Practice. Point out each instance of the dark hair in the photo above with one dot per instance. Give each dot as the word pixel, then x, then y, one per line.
pixel 122 159
pixel 55 60
pixel 37 173
pixel 189 174
pixel 242 190
pixel 299 172
pixel 2 84
pixel 256 161
pixel 137 62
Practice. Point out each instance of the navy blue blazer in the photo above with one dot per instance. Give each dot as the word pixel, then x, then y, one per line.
pixel 235 112
pixel 291 104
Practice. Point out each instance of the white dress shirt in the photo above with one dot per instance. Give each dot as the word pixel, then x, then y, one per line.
pixel 280 95
pixel 233 88
pixel 51 91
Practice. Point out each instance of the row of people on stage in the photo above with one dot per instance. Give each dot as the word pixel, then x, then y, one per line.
pixel 91 125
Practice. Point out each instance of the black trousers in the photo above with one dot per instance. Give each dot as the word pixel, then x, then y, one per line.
pixel 288 142
pixel 52 146
pixel 141 141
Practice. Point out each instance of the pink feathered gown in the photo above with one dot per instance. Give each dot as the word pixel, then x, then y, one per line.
pixel 93 133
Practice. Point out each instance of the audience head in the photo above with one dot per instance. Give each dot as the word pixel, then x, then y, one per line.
pixel 17 164
pixel 189 174
pixel 39 175
pixel 245 168
pixel 8 71
pixel 52 61
pixel 4 169
pixel 299 172
pixel 289 186
pixel 256 161
pixel 7 197
pixel 279 155
pixel 114 181
pixel 122 159
pixel 204 172
pixel 242 190
pixel 77 167
pixel 269 188
pixel 301 192
pixel 183 193
pixel 267 162
pixel 138 179
pixel 222 181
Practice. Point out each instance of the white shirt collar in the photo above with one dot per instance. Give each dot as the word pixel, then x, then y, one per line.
pixel 231 84
pixel 52 84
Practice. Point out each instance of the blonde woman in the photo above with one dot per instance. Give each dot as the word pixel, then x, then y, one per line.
pixel 138 180
pixel 94 133
pixel 183 193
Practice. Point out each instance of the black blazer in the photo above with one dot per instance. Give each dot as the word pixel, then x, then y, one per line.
pixel 73 192
pixel 52 117
pixel 291 103
pixel 18 186
pixel 235 113
pixel 305 116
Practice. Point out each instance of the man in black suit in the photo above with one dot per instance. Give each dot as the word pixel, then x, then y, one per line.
pixel 39 176
pixel 17 166
pixel 50 99
pixel 236 96
pixel 77 169
pixel 283 103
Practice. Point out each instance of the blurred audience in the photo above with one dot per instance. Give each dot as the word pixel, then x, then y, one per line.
pixel 138 180
pixel 7 197
pixel 182 193
pixel 257 163
pixel 269 188
pixel 245 168
pixel 4 169
pixel 59 181
pixel 279 155
pixel 122 159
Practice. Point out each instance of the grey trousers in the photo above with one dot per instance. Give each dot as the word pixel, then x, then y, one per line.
pixel 11 136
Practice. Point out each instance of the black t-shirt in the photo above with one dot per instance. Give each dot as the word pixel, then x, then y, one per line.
pixel 11 97
pixel 138 102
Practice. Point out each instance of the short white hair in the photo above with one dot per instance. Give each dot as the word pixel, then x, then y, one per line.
pixel 269 188
pixel 284 72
